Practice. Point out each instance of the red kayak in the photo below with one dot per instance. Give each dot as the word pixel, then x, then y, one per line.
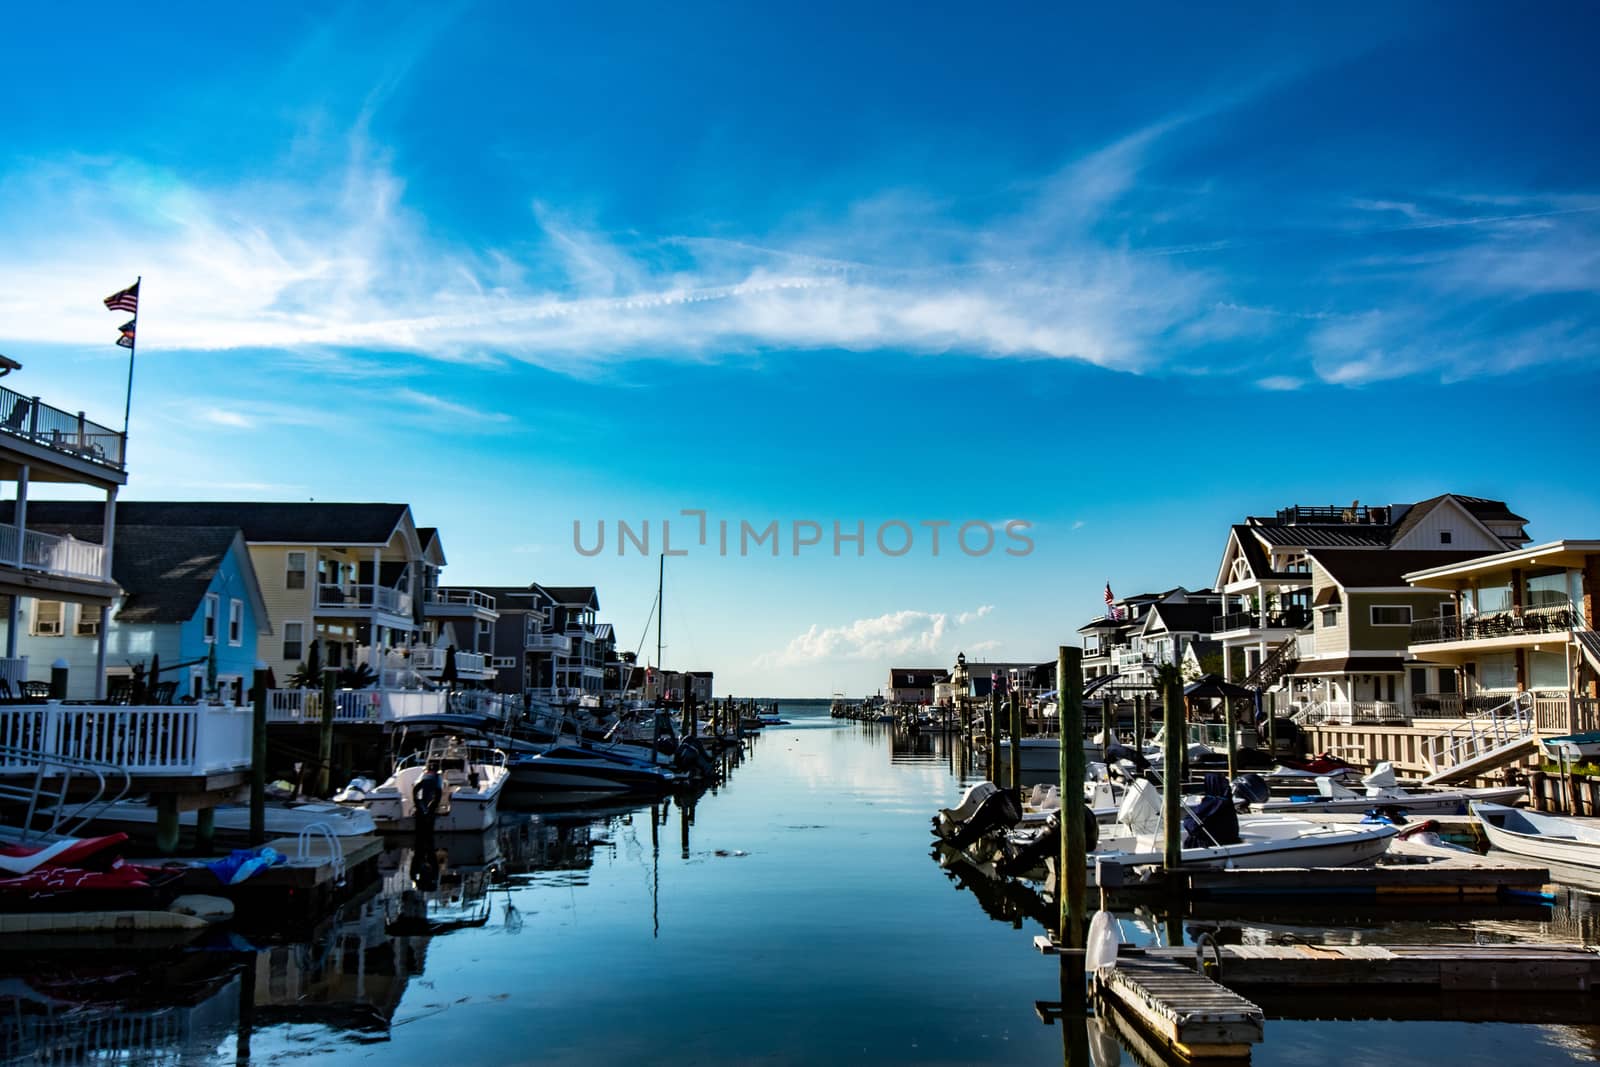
pixel 1326 763
pixel 69 852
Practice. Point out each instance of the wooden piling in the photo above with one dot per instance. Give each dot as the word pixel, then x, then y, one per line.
pixel 994 737
pixel 1233 741
pixel 330 679
pixel 1074 870
pixel 258 758
pixel 1174 733
pixel 1015 703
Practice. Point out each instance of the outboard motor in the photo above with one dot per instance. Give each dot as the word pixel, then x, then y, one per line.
pixel 999 811
pixel 1047 844
pixel 1211 822
pixel 1251 789
pixel 1122 752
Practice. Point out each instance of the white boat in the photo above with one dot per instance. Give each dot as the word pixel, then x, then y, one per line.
pixel 137 818
pixel 1382 792
pixel 1540 837
pixel 472 778
pixel 574 771
pixel 1043 754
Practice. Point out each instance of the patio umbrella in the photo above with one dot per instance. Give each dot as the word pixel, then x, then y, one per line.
pixel 449 676
pixel 1213 687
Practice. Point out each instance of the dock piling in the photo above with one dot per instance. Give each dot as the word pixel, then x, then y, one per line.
pixel 258 757
pixel 1014 703
pixel 1073 874
pixel 1174 731
pixel 325 734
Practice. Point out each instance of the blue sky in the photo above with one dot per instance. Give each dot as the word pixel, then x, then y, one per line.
pixel 1128 276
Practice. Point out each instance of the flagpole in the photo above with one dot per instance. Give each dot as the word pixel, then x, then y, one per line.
pixel 127 403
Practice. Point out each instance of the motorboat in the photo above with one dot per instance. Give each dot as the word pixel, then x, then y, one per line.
pixel 1043 754
pixel 137 818
pixel 470 779
pixel 1383 792
pixel 577 770
pixel 1547 838
pixel 1573 747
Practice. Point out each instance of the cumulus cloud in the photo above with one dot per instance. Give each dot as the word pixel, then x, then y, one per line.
pixel 896 634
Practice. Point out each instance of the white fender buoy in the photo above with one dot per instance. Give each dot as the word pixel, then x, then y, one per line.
pixel 1100 946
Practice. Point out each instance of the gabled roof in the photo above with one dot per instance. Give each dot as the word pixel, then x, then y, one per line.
pixel 262 523
pixel 1186 618
pixel 165 571
pixel 916 677
pixel 1362 569
pixel 1483 510
pixel 568 595
pixel 428 539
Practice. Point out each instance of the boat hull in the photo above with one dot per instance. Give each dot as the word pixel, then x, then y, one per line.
pixel 1455 802
pixel 1535 836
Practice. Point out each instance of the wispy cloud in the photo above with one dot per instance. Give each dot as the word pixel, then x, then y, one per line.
pixel 895 634
pixel 224 417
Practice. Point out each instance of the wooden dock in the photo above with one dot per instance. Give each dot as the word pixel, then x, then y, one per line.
pixel 1187 1013
pixel 1513 967
pixel 301 887
pixel 1390 884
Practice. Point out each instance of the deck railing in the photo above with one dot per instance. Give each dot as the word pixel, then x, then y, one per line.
pixel 468 598
pixel 71 434
pixel 66 556
pixel 165 740
pixel 1507 722
pixel 1284 619
pixel 352 705
pixel 364 597
pixel 1500 624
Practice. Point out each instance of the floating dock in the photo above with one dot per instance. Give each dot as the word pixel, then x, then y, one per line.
pixel 1390 884
pixel 1192 1016
pixel 1511 967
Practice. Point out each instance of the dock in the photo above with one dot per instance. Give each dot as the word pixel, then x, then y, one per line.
pixel 305 885
pixel 1390 884
pixel 1513 967
pixel 1192 1016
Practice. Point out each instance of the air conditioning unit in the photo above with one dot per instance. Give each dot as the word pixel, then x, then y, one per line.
pixel 50 628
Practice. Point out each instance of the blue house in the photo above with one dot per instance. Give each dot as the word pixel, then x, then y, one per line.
pixel 189 596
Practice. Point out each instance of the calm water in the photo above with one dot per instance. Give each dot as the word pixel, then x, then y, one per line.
pixel 793 916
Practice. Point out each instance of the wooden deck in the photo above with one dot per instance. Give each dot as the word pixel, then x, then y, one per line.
pixel 1516 967
pixel 1447 880
pixel 1187 1013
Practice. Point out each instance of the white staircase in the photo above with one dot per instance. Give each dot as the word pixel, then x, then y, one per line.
pixel 67 792
pixel 1589 644
pixel 1482 743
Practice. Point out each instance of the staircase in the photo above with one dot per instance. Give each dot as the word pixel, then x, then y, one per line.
pixel 1482 743
pixel 1589 644
pixel 1274 667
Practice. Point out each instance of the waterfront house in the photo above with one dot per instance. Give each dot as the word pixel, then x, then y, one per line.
pixel 458 617
pixel 1114 646
pixel 914 685
pixel 189 596
pixel 1514 624
pixel 342 574
pixel 41 444
pixel 1351 664
pixel 548 642
pixel 1266 574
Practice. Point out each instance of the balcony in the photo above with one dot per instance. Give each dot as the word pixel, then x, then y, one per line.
pixel 66 557
pixel 363 598
pixel 459 602
pixel 30 419
pixel 427 660
pixel 304 706
pixel 1487 627
pixel 534 639
pixel 1285 619
pixel 1127 661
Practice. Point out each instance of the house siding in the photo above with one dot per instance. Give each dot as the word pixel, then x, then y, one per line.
pixel 1365 637
pixel 283 604
pixel 1466 532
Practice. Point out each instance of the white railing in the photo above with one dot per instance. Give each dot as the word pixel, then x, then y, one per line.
pixel 363 597
pixel 352 705
pixel 1501 725
pixel 426 658
pixel 66 556
pixel 538 642
pixel 465 598
pixel 177 740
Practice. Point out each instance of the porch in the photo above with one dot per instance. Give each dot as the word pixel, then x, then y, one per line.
pixel 179 741
pixel 370 706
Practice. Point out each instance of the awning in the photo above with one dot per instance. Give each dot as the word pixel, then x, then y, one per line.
pixel 1351 665
pixel 1328 597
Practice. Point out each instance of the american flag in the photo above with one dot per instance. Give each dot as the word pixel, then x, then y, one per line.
pixel 126 340
pixel 124 299
pixel 1112 611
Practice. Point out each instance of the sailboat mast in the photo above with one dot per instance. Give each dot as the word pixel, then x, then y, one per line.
pixel 661 584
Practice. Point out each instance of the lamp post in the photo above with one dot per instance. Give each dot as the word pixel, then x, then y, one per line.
pixel 960 679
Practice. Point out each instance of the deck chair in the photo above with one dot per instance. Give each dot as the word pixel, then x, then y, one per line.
pixel 18 416
pixel 163 692
pixel 119 690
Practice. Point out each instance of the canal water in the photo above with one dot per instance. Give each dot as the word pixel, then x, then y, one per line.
pixel 794 915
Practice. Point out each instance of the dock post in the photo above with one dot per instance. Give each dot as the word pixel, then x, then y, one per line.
pixel 258 757
pixel 993 731
pixel 58 680
pixel 1074 859
pixel 325 734
pixel 1015 702
pixel 1233 742
pixel 1174 730
pixel 205 829
pixel 166 823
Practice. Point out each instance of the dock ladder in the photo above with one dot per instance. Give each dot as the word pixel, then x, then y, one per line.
pixel 1488 740
pixel 45 783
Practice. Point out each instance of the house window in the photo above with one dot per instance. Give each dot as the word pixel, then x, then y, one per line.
pixel 1497 671
pixel 1444 537
pixel 235 623
pixel 88 621
pixel 1391 615
pixel 1330 617
pixel 211 618
pixel 47 618
pixel 294 634
pixel 295 570
pixel 1419 680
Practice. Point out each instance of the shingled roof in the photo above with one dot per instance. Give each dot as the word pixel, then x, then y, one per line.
pixel 309 523
pixel 1356 568
pixel 1187 618
pixel 165 571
